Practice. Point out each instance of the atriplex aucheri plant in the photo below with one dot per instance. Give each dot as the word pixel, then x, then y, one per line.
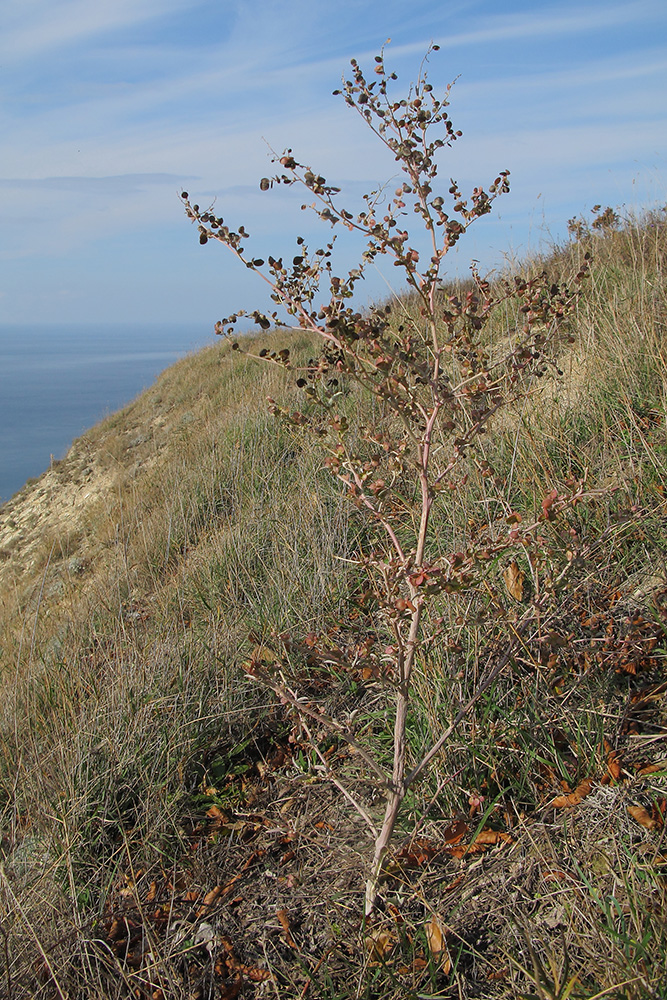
pixel 437 384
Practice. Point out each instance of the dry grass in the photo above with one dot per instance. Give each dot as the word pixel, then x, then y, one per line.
pixel 139 769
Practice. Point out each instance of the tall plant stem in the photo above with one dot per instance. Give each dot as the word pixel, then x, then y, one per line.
pixel 397 789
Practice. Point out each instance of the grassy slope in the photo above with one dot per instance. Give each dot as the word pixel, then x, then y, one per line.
pixel 132 575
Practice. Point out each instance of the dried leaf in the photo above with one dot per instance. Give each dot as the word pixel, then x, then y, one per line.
pixel 574 798
pixel 514 578
pixel 460 850
pixel 643 817
pixel 614 765
pixel 285 924
pixel 455 831
pixel 256 975
pixel 417 852
pixel 436 934
pixel 205 935
pixel 653 768
pixel 209 900
pixel 380 945
pixel 232 989
pixel 116 930
pixel 554 875
pixel 499 975
pixel 214 812
pixel 614 769
pixel 492 837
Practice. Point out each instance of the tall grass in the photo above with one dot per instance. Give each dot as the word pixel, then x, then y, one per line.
pixel 126 618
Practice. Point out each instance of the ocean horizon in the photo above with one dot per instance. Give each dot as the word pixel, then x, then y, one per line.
pixel 57 381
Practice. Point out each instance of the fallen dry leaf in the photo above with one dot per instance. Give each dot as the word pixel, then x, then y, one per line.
pixel 574 798
pixel 554 875
pixel 484 839
pixel 216 813
pixel 500 974
pixel 417 852
pixel 614 769
pixel 285 924
pixel 380 945
pixel 614 765
pixel 492 837
pixel 643 817
pixel 436 935
pixel 653 768
pixel 230 964
pixel 116 930
pixel 514 578
pixel 208 900
pixel 455 831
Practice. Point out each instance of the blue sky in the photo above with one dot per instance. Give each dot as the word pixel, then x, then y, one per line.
pixel 110 108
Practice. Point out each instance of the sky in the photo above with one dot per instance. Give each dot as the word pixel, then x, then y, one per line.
pixel 110 109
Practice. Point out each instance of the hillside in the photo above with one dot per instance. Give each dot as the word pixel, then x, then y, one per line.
pixel 168 830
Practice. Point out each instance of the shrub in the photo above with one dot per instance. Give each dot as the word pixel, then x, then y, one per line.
pixel 438 383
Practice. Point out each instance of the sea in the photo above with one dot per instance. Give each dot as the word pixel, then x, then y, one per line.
pixel 56 381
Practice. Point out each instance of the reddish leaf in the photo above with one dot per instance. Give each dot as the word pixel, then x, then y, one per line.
pixel 455 831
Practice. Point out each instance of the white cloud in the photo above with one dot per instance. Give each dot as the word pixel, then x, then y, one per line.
pixel 540 24
pixel 32 27
pixel 104 120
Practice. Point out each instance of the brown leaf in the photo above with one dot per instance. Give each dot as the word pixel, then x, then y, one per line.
pixel 436 934
pixel 285 924
pixel 208 900
pixel 514 579
pixel 380 945
pixel 554 875
pixel 653 768
pixel 116 930
pixel 417 852
pixel 460 850
pixel 492 837
pixel 614 766
pixel 455 831
pixel 643 817
pixel 216 813
pixel 574 798
pixel 255 975
pixel 614 769
pixel 500 974
pixel 232 989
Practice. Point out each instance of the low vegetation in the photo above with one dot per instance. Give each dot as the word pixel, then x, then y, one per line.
pixel 170 828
